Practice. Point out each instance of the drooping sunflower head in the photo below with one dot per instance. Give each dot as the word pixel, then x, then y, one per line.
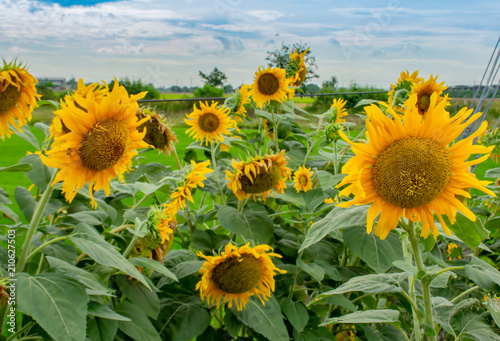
pixel 296 69
pixel 158 133
pixel 400 91
pixel 424 91
pixel 237 274
pixel 302 178
pixel 18 96
pixel 101 142
pixel 242 98
pixel 408 168
pixel 337 111
pixel 258 177
pixel 270 85
pixel 209 123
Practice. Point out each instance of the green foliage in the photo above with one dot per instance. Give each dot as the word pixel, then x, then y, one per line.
pixel 215 78
pixel 208 91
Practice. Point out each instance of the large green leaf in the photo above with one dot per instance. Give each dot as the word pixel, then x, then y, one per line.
pixel 312 269
pixel 385 333
pixel 264 319
pixel 295 312
pixel 87 278
pixel 336 219
pixel 492 173
pixel 378 254
pixel 143 298
pixel 28 136
pixel 20 167
pixel 95 218
pixel 25 201
pixel 140 327
pixel 494 308
pixel 482 273
pixel 184 320
pixel 103 311
pixel 153 265
pixel 57 302
pixel 470 232
pixel 370 284
pixel 250 225
pixel 39 174
pixel 91 242
pixel 366 316
pixel 100 329
pixel 328 180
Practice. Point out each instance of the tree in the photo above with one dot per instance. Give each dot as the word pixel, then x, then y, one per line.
pixel 214 78
pixel 280 58
pixel 331 83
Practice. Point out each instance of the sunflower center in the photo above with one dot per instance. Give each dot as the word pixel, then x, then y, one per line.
pixel 423 102
pixel 9 98
pixel 262 182
pixel 154 134
pixel 303 180
pixel 104 145
pixel 268 84
pixel 208 122
pixel 237 275
pixel 411 172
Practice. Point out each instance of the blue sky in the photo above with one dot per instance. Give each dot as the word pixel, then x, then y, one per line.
pixel 169 42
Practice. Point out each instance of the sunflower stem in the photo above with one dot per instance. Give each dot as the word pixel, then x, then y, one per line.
pixel 175 155
pixel 275 132
pixel 46 244
pixel 425 280
pixel 37 216
pixel 466 292
pixel 216 178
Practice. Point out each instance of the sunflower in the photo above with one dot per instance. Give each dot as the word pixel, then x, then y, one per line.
pixel 270 85
pixel 102 140
pixel 424 90
pixel 259 176
pixel 337 111
pixel 408 168
pixel 158 133
pixel 237 274
pixel 405 82
pixel 209 123
pixel 18 96
pixel 296 69
pixel 99 91
pixel 302 179
pixel 243 98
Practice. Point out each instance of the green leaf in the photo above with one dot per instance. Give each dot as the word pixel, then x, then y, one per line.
pixel 57 302
pixel 378 254
pixel 493 305
pixel 139 295
pixel 250 225
pixel 338 218
pixel 39 174
pixel 339 300
pixel 264 319
pixel 370 284
pixel 184 269
pixel 366 316
pixel 313 198
pixel 20 167
pixel 95 218
pixel 328 180
pixel 153 265
pixel 482 273
pixel 89 241
pixel 86 278
pixel 492 173
pixel 385 333
pixel 28 136
pixel 25 201
pixel 470 232
pixel 441 281
pixel 99 329
pixel 103 311
pixel 140 327
pixel 312 269
pixel 9 213
pixel 185 320
pixel 295 312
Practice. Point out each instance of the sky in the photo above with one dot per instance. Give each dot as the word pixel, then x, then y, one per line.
pixel 168 42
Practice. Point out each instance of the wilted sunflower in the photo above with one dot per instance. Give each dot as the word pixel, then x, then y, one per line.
pixel 102 140
pixel 237 274
pixel 17 96
pixel 337 111
pixel 259 176
pixel 408 168
pixel 99 91
pixel 296 69
pixel 302 179
pixel 405 82
pixel 270 85
pixel 424 90
pixel 243 98
pixel 158 133
pixel 209 123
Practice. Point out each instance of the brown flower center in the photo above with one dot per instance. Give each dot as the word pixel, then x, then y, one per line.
pixel 303 180
pixel 423 102
pixel 237 275
pixel 262 182
pixel 268 84
pixel 9 98
pixel 208 122
pixel 411 172
pixel 155 133
pixel 104 145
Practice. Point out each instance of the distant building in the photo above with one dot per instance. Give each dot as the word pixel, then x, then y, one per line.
pixel 58 83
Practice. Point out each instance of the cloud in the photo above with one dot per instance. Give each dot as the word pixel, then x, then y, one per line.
pixel 230 44
pixel 265 15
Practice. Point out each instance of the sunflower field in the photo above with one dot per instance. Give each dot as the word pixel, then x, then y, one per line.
pixel 307 228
